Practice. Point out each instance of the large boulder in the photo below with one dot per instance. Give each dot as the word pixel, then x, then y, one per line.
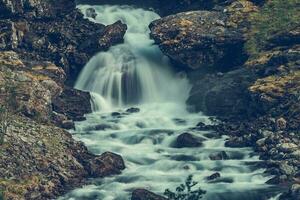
pixel 205 39
pixel 73 103
pixel 198 39
pixel 106 165
pixel 27 90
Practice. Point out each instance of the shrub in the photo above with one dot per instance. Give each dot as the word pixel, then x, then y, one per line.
pixel 274 17
pixel 185 191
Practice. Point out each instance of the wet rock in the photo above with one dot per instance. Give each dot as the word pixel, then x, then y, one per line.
pixel 142 194
pixel 277 180
pixel 197 40
pixel 184 158
pixel 68 124
pixel 180 121
pixel 133 110
pixel 235 142
pixel 205 39
pixel 203 127
pixel 219 156
pixel 106 165
pixel 116 114
pixel 91 12
pixel 225 96
pixel 102 127
pixel 288 147
pixel 212 135
pixel 213 176
pixel 188 140
pixel 287 169
pixel 67 103
pixel 295 191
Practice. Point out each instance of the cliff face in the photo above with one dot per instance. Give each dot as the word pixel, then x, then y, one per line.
pixel 43 44
pixel 55 31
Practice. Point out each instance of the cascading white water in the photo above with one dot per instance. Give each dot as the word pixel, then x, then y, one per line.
pixel 136 74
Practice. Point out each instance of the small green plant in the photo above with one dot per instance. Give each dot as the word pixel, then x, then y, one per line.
pixel 185 191
pixel 274 17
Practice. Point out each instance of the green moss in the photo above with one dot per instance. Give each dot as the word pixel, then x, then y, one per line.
pixel 274 17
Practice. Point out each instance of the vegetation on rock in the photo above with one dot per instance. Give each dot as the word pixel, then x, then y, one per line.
pixel 274 17
pixel 185 191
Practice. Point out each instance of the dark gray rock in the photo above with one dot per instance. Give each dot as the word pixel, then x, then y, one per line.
pixel 106 164
pixel 142 194
pixel 91 12
pixel 133 110
pixel 219 156
pixel 236 142
pixel 73 103
pixel 213 176
pixel 189 140
pixel 223 96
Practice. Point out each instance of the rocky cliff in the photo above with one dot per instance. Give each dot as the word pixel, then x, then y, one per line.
pixel 43 46
pixel 55 31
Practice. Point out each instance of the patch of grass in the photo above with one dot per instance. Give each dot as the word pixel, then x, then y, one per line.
pixel 274 17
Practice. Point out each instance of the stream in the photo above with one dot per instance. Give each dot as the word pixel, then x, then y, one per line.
pixel 138 112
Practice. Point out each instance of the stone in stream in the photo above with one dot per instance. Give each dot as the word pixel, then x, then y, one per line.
pixel 106 164
pixel 219 156
pixel 133 110
pixel 212 135
pixel 179 121
pixel 235 142
pixel 91 12
pixel 213 176
pixel 102 127
pixel 189 140
pixel 116 114
pixel 222 180
pixel 142 194
pixel 203 127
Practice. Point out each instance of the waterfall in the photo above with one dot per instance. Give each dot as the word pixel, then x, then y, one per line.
pixel 137 76
pixel 132 73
